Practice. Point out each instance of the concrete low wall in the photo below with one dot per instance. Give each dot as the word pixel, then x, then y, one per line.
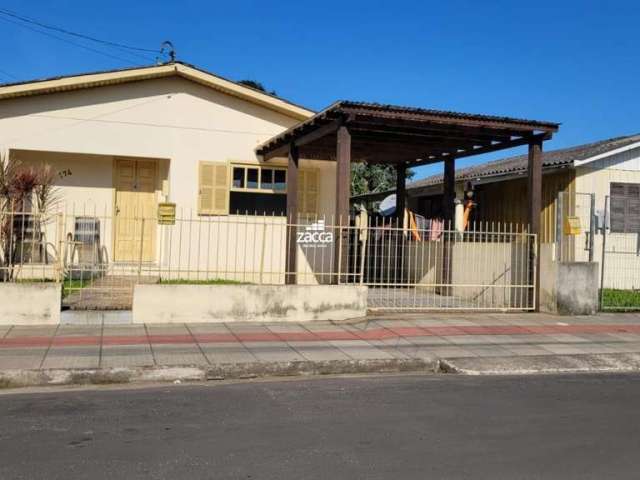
pixel 30 303
pixel 568 288
pixel 577 292
pixel 247 303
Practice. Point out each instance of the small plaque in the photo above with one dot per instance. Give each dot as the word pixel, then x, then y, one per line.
pixel 572 226
pixel 166 213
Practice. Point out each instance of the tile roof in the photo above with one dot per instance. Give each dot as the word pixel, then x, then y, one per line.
pixel 550 159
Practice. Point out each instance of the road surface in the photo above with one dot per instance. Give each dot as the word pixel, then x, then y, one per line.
pixel 383 427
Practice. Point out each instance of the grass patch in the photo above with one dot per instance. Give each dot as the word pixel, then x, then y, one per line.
pixel 613 299
pixel 69 285
pixel 213 281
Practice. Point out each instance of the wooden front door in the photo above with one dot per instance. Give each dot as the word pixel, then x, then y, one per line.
pixel 135 210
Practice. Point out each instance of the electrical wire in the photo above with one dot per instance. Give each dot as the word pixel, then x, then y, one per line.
pixel 75 34
pixel 8 75
pixel 69 41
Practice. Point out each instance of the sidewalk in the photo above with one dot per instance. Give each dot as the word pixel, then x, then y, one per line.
pixel 463 343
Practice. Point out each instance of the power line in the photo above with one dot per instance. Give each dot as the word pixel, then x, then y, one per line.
pixel 69 41
pixel 8 75
pixel 75 34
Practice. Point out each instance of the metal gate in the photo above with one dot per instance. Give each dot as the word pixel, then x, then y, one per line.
pixel 620 258
pixel 432 266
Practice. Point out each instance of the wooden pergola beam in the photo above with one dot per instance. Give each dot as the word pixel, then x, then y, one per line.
pixel 309 137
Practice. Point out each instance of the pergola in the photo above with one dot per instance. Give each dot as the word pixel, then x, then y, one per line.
pixel 404 137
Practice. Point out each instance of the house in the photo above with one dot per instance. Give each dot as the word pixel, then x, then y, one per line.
pixel 123 141
pixel 170 172
pixel 602 168
pixel 596 182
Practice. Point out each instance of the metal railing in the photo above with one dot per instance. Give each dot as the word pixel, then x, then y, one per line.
pixel 100 257
pixel 620 255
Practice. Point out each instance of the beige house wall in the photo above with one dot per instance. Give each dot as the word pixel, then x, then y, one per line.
pixel 177 123
pixel 622 269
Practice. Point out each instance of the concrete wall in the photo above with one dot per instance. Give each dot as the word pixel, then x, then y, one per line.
pixel 567 288
pixel 244 303
pixel 577 292
pixel 30 303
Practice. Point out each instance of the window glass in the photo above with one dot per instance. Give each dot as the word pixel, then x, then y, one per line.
pixel 238 177
pixel 252 178
pixel 266 179
pixel 257 203
pixel 280 179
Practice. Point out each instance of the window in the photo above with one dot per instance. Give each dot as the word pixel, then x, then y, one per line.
pixel 263 179
pixel 253 190
pixel 258 190
pixel 625 207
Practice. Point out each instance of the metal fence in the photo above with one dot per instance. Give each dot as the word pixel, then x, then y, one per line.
pixel 576 228
pixel 620 255
pixel 99 258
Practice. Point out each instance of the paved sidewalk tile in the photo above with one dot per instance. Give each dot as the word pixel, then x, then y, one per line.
pixel 227 353
pixel 567 338
pixel 171 334
pixel 319 351
pixel 527 350
pixel 428 341
pixel 564 348
pixel 21 358
pixel 126 356
pixel 72 357
pixel 178 355
pixel 124 335
pixel 489 350
pixel 597 348
pixel 390 347
pixel 468 339
pixel 35 331
pixel 79 330
pixel 273 351
pixel 360 350
pixel 437 351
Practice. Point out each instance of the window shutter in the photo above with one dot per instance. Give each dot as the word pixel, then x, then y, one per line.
pixel 308 191
pixel 625 207
pixel 213 189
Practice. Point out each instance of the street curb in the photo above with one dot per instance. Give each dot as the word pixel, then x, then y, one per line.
pixel 542 364
pixel 57 377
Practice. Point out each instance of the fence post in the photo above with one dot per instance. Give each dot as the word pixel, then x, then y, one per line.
pixel 559 217
pixel 141 248
pixel 592 225
pixel 604 247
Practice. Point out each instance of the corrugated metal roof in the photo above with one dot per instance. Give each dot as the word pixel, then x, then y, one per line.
pixel 551 159
pixel 371 107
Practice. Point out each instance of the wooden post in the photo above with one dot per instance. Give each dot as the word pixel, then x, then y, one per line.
pixel 401 192
pixel 449 194
pixel 292 216
pixel 343 190
pixel 535 207
pixel 448 212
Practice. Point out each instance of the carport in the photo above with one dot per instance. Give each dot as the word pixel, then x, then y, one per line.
pixel 404 137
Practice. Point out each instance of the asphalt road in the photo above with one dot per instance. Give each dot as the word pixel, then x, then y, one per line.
pixel 391 427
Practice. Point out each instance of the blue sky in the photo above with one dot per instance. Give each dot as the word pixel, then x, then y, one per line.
pixel 575 62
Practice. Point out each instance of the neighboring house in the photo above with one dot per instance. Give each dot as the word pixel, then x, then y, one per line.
pixel 608 167
pixel 123 141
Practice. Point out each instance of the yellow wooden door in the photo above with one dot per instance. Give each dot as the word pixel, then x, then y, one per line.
pixel 135 210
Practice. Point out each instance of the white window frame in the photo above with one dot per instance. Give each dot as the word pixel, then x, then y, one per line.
pixel 246 167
